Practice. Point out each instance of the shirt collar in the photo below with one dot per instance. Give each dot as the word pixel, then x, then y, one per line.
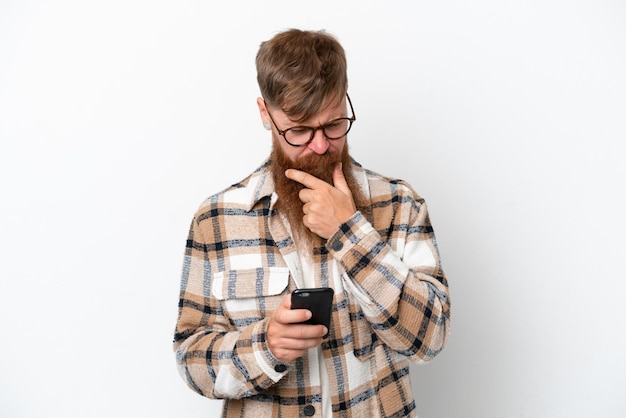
pixel 261 184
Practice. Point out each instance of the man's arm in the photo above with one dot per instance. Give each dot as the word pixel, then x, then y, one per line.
pixel 213 358
pixel 219 361
pixel 398 282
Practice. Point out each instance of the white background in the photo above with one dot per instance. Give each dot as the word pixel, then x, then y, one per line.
pixel 117 118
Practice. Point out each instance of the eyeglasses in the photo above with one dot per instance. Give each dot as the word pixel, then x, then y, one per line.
pixel 299 136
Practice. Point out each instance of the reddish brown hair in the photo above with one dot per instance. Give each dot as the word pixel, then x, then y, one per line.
pixel 301 72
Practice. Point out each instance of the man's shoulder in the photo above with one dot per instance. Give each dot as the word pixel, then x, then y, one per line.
pixel 238 195
pixel 382 185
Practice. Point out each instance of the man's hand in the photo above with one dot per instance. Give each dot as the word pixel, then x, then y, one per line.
pixel 287 339
pixel 325 207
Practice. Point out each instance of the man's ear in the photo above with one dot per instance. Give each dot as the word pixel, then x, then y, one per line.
pixel 265 119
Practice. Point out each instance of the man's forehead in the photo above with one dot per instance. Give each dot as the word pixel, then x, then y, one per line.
pixel 330 110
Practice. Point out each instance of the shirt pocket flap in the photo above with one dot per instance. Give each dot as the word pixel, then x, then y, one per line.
pixel 250 283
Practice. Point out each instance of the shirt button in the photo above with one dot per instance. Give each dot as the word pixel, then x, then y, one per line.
pixel 337 245
pixel 280 368
pixel 309 410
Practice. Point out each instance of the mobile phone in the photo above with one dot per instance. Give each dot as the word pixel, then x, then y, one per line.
pixel 318 300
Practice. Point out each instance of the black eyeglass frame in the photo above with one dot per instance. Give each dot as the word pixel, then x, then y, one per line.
pixel 314 130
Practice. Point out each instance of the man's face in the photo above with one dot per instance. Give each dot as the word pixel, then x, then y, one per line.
pixel 319 146
pixel 319 157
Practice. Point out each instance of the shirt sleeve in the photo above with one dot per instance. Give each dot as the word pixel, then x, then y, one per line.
pixel 212 357
pixel 397 280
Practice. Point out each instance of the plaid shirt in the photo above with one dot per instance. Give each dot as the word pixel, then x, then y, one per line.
pixel 391 303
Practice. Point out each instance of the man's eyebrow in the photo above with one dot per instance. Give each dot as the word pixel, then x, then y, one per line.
pixel 342 114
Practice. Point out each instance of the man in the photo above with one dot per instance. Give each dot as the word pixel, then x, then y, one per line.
pixel 310 216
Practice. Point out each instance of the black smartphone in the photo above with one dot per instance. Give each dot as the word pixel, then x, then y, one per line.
pixel 318 300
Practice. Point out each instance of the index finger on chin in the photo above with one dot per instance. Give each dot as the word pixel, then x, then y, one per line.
pixel 303 178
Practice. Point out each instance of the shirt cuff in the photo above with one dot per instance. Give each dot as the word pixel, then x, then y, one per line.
pixel 271 366
pixel 349 234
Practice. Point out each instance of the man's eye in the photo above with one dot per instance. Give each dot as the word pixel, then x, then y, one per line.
pixel 299 131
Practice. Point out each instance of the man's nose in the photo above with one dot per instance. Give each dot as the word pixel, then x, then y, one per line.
pixel 319 144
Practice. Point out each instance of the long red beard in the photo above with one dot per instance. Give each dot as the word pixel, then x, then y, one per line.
pixel 289 203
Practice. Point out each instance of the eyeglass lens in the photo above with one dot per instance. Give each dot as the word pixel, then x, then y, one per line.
pixel 333 130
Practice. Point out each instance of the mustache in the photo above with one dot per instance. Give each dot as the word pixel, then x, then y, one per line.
pixel 320 166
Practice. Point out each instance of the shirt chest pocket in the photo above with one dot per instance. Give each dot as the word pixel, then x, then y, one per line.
pixel 249 295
